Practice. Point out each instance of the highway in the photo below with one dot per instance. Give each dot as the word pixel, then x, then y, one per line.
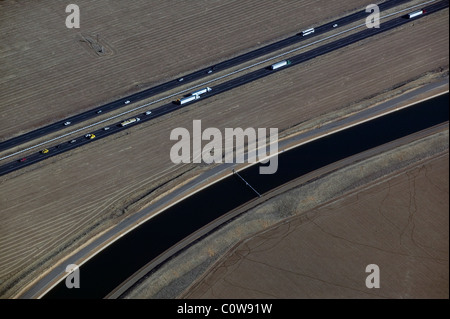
pixel 212 176
pixel 79 118
pixel 343 146
pixel 220 88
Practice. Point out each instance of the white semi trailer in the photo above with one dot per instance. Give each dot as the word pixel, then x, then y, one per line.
pixel 280 64
pixel 130 121
pixel 202 91
pixel 308 32
pixel 415 14
pixel 193 96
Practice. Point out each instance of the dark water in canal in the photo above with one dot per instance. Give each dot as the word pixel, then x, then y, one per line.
pixel 100 275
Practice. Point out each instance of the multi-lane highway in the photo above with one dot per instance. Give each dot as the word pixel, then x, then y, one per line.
pixel 76 119
pixel 139 250
pixel 295 60
pixel 223 87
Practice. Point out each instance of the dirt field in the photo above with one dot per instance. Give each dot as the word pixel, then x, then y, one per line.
pixel 48 72
pixel 332 197
pixel 56 205
pixel 400 224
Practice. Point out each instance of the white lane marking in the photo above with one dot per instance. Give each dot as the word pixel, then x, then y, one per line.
pixel 213 80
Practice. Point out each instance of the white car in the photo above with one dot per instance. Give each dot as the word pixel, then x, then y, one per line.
pixel 148 112
pixel 106 128
pixel 67 123
pixel 127 102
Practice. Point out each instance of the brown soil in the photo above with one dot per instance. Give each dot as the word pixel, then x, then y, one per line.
pixel 399 223
pixel 299 198
pixel 49 72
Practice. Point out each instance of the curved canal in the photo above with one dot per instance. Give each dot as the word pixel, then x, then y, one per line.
pixel 108 269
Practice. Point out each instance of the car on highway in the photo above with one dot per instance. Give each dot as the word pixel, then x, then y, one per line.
pixel 23 159
pixel 72 141
pixel 127 102
pixel 45 151
pixel 106 128
pixel 335 25
pixel 90 136
pixel 99 111
pixel 67 123
pixel 148 112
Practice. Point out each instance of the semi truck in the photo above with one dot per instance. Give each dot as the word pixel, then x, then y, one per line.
pixel 187 99
pixel 193 96
pixel 130 121
pixel 307 32
pixel 202 91
pixel 415 14
pixel 279 64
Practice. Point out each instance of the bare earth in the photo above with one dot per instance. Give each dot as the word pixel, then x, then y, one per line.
pixel 48 72
pixel 51 208
pixel 400 224
pixel 313 229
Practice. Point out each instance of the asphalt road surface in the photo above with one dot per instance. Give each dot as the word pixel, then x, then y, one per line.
pixel 220 88
pixel 377 111
pixel 190 77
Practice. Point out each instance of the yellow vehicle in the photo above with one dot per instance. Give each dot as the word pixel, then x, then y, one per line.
pixel 44 151
pixel 90 136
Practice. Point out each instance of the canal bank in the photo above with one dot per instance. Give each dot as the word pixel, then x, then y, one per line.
pixel 326 151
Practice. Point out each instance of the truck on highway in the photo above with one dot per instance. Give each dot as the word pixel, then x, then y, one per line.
pixel 307 32
pixel 130 121
pixel 193 96
pixel 202 91
pixel 279 64
pixel 187 99
pixel 415 14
